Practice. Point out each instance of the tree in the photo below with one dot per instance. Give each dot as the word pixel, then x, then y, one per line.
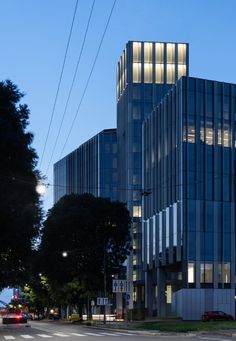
pixel 20 210
pixel 95 234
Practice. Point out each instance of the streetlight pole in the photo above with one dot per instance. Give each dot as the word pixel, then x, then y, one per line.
pixel 104 280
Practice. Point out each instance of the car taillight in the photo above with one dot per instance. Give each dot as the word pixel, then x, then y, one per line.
pixel 18 316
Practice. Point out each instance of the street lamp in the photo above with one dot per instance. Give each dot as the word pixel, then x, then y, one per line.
pixel 64 254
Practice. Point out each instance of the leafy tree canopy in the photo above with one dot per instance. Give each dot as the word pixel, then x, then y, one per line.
pixel 95 234
pixel 20 210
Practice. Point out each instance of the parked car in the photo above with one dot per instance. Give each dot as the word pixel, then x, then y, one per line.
pixel 216 316
pixel 27 315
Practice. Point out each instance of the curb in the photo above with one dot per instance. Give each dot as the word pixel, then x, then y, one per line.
pixel 143 332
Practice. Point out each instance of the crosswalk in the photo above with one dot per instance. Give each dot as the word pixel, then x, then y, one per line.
pixel 68 335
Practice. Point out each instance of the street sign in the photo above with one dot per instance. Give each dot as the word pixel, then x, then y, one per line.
pixel 120 285
pixel 102 300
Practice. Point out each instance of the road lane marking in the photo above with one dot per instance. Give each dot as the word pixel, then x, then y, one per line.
pixel 110 334
pixel 77 334
pixel 25 336
pixel 8 337
pixel 213 338
pixel 126 334
pixel 44 335
pixel 93 334
pixel 61 334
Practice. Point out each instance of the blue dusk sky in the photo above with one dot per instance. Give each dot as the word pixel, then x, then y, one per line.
pixel 34 34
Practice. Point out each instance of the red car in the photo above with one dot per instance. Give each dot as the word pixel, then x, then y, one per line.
pixel 216 316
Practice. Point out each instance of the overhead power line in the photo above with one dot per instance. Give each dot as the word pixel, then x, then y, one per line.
pixel 89 77
pixel 71 87
pixel 59 83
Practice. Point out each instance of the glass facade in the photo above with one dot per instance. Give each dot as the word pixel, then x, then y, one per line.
pixel 92 168
pixel 147 80
pixel 192 135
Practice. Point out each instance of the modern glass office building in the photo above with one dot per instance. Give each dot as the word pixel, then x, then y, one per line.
pixel 145 72
pixel 92 168
pixel 189 216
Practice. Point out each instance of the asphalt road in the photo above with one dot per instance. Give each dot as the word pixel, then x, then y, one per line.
pixel 55 331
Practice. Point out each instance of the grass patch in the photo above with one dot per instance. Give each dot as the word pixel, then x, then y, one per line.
pixel 185 327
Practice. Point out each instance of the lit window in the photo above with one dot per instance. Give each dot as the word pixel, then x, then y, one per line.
pixel 137 212
pixel 170 73
pixel 191 134
pixel 202 134
pixel 147 52
pixel 170 53
pixel 159 73
pixel 134 294
pixel 168 294
pixel 134 260
pixel 159 53
pixel 219 137
pixel 208 273
pixel 226 272
pixel 209 136
pixel 181 71
pixel 191 272
pixel 134 275
pixel 147 73
pixel 184 134
pixel 136 52
pixel 226 137
pixel 136 72
pixel 181 53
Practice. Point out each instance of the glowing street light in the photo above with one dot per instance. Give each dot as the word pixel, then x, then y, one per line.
pixel 41 188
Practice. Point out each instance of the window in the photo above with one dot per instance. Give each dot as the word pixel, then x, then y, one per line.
pixel 181 53
pixel 191 134
pixel 147 73
pixel 137 211
pixel 148 241
pixel 136 72
pixel 191 272
pixel 181 71
pixel 226 272
pixel 159 79
pixel 159 53
pixel 136 112
pixel 136 195
pixel 154 236
pixel 170 53
pixel 136 52
pixel 206 273
pixel 160 232
pixel 147 52
pixel 168 294
pixel 136 179
pixel 170 73
pixel 167 228
pixel 220 273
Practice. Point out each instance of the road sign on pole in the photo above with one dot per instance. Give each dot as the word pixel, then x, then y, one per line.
pixel 120 285
pixel 102 300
